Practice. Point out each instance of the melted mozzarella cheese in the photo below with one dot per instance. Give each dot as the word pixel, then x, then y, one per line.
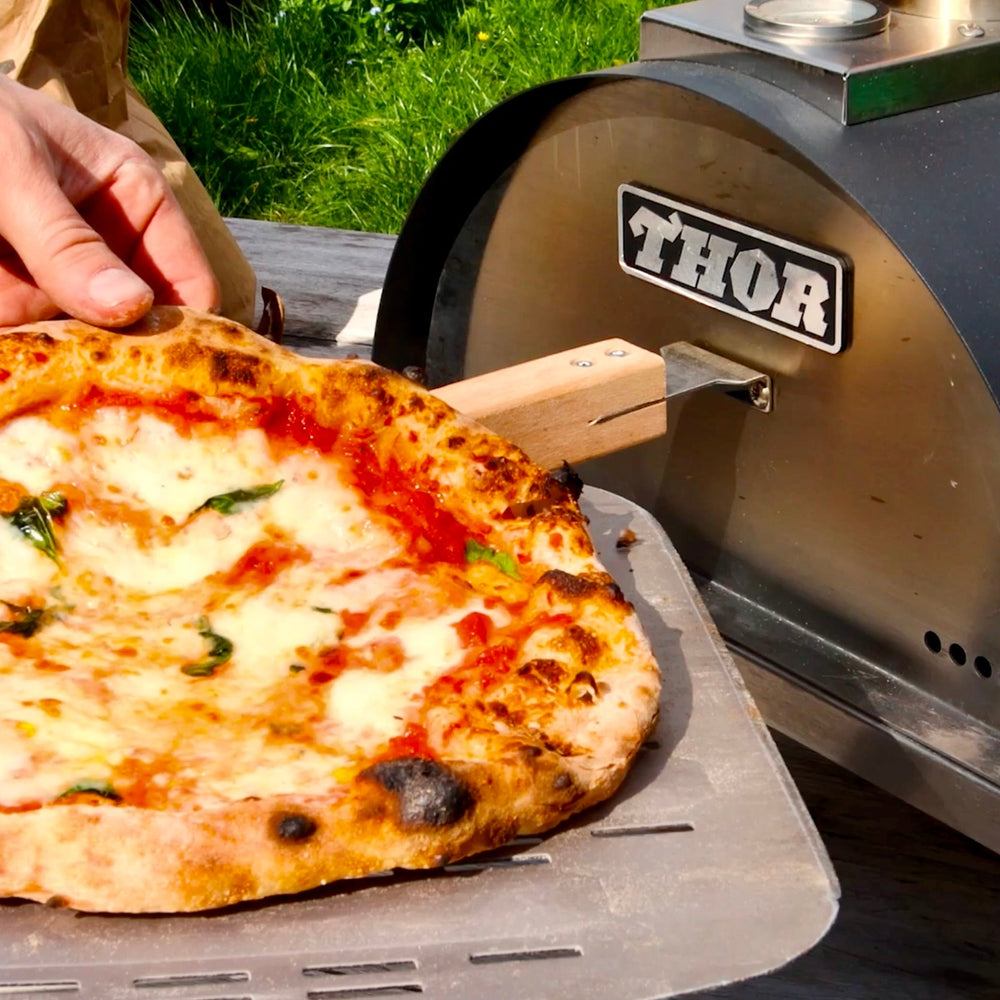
pixel 135 600
pixel 35 453
pixel 209 544
pixel 368 707
pixel 24 569
pixel 149 461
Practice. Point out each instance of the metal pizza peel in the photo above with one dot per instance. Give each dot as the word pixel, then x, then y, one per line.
pixel 702 870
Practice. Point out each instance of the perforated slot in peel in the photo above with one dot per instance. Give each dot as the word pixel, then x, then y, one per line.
pixel 529 955
pixel 365 992
pixel 361 968
pixel 36 990
pixel 523 842
pixel 642 831
pixel 190 979
pixel 514 861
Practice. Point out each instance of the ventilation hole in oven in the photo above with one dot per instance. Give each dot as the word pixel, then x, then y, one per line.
pixel 957 654
pixel 361 968
pixel 983 666
pixel 38 991
pixel 933 642
pixel 516 861
pixel 641 831
pixel 365 992
pixel 190 979
pixel 529 955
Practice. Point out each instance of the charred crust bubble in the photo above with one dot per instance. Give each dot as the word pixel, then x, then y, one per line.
pixel 558 489
pixel 428 794
pixel 549 671
pixel 580 587
pixel 566 476
pixel 292 827
pixel 586 643
pixel 563 781
pixel 35 340
pixel 235 367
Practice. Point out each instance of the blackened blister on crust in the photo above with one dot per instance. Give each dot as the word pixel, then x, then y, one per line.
pixel 581 586
pixel 556 490
pixel 427 792
pixel 235 367
pixel 292 826
pixel 566 476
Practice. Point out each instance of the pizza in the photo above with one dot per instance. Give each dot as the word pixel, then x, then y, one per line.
pixel 267 622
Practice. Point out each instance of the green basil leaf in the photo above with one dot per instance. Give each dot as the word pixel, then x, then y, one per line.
pixel 54 503
pixel 219 651
pixel 226 503
pixel 477 552
pixel 26 621
pixel 33 518
pixel 94 787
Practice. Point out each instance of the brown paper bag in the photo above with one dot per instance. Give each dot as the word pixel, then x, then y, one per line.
pixel 75 51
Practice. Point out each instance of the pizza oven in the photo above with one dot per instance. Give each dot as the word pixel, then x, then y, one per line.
pixel 808 188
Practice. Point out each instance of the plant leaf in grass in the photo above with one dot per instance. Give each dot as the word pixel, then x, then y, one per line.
pixel 219 651
pixel 477 552
pixel 226 503
pixel 34 517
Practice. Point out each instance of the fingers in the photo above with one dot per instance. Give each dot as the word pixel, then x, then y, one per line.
pixel 94 228
pixel 21 300
pixel 68 268
pixel 144 225
pixel 67 259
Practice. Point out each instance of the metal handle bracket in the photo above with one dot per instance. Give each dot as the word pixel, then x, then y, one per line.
pixel 690 368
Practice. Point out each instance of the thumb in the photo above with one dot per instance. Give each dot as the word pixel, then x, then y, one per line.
pixel 71 263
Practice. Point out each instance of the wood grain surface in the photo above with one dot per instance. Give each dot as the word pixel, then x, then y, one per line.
pixel 920 906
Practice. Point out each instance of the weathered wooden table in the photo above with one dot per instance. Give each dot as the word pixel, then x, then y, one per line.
pixel 920 910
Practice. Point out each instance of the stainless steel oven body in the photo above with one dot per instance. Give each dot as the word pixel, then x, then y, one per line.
pixel 847 543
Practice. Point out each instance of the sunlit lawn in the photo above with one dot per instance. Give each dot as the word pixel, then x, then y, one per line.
pixel 333 113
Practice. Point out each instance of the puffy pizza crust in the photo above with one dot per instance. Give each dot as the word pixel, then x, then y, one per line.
pixel 555 737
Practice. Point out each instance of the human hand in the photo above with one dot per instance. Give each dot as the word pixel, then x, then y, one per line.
pixel 88 225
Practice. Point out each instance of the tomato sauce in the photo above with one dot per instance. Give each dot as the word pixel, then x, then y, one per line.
pixel 286 417
pixel 412 743
pixel 474 629
pixel 181 409
pixel 354 621
pixel 150 784
pixel 433 533
pixel 263 561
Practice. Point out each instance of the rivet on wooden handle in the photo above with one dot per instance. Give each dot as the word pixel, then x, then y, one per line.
pixel 550 406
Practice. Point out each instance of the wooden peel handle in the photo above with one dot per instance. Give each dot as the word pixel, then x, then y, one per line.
pixel 563 407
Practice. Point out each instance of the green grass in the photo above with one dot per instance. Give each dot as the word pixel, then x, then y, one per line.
pixel 312 112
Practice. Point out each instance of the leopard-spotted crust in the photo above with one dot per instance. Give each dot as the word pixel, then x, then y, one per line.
pixel 500 755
